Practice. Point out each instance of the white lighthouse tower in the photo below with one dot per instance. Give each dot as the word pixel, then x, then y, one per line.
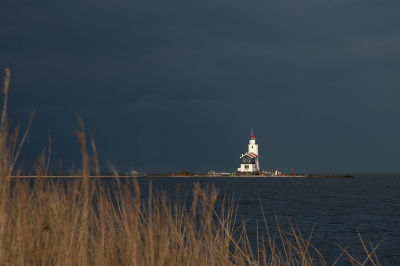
pixel 249 161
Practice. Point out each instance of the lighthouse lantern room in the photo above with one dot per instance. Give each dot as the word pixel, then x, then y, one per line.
pixel 249 161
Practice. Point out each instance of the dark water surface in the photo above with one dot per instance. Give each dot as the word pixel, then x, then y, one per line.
pixel 337 207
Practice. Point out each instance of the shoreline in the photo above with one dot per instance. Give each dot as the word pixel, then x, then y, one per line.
pixel 168 175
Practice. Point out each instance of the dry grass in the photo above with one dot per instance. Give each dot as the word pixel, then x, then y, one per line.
pixel 48 224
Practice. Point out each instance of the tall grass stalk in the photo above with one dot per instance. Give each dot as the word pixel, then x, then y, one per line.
pixel 82 224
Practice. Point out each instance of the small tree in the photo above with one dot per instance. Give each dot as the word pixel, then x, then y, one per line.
pixel 185 173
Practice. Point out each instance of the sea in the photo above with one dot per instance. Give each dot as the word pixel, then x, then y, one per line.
pixel 336 210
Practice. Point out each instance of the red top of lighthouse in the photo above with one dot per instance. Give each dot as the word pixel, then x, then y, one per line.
pixel 252 136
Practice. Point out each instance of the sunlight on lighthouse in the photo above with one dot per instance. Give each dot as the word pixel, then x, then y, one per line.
pixel 249 161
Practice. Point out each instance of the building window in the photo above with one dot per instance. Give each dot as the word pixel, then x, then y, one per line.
pixel 246 167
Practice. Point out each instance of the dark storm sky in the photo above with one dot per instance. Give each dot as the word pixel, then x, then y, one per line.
pixel 176 85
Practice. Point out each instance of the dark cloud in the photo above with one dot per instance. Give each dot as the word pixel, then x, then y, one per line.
pixel 174 85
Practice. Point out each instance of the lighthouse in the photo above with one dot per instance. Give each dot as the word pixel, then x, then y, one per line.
pixel 249 161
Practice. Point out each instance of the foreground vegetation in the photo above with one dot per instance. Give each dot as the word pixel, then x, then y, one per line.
pixel 81 224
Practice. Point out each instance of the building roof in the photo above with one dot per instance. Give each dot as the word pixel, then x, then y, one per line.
pixel 252 136
pixel 251 154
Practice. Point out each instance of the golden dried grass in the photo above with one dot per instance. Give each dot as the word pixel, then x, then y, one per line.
pixel 82 224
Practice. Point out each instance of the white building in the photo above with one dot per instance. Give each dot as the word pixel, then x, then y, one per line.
pixel 277 173
pixel 249 161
